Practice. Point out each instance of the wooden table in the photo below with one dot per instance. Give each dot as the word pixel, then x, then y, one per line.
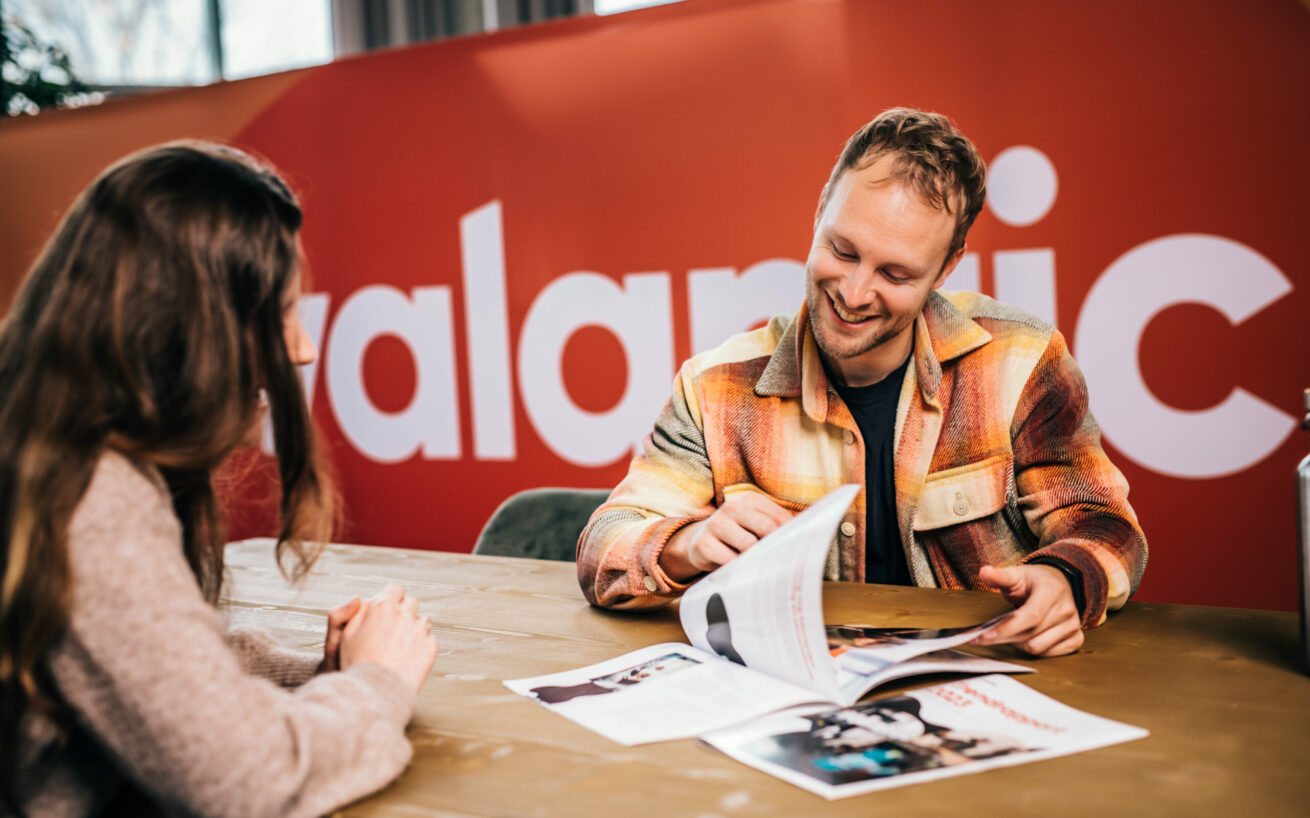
pixel 1219 689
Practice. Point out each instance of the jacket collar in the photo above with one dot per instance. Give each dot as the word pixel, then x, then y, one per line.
pixel 942 332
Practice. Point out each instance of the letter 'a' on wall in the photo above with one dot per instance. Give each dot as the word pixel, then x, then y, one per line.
pixel 1211 270
pixel 639 314
pixel 723 303
pixel 431 420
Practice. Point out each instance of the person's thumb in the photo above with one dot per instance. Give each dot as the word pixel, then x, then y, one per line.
pixel 356 621
pixel 1004 579
pixel 342 614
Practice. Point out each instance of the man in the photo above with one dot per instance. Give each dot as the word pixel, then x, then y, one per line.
pixel 965 419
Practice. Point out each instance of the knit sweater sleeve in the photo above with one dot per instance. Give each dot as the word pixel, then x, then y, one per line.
pixel 260 655
pixel 144 666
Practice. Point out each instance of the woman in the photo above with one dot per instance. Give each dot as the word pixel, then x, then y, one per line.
pixel 131 365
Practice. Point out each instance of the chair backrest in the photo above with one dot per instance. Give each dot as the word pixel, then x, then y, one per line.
pixel 540 523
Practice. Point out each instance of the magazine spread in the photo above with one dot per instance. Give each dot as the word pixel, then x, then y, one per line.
pixel 936 732
pixel 671 691
pixel 759 645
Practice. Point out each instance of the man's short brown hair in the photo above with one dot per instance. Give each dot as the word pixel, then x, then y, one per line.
pixel 932 157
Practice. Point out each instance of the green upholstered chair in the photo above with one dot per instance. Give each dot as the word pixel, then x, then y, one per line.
pixel 539 523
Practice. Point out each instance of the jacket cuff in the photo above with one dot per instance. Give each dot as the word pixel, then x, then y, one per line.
pixel 1087 579
pixel 647 578
pixel 1071 575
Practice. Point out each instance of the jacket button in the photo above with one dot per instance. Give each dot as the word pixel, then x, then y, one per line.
pixel 961 506
pixel 848 436
pixel 848 528
pixel 651 584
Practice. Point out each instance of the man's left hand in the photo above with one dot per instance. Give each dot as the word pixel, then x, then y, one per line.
pixel 1046 622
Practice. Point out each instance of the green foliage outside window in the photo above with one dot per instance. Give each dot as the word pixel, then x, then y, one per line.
pixel 34 75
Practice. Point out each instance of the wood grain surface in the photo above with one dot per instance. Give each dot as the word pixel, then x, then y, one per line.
pixel 1219 689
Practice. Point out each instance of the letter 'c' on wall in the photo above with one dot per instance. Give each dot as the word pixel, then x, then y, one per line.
pixel 640 316
pixel 1211 270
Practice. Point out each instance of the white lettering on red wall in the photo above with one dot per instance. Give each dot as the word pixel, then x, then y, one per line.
pixel 1211 270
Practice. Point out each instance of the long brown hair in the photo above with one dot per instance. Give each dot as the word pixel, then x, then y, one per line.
pixel 148 326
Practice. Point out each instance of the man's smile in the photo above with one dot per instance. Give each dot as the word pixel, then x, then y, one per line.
pixel 846 316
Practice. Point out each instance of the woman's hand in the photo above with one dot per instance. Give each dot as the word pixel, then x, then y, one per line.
pixel 337 620
pixel 388 631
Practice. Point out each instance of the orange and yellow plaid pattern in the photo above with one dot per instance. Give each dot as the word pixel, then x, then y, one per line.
pixel 997 459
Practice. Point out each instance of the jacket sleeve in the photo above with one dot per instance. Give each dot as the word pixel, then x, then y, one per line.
pixel 1071 495
pixel 145 668
pixel 669 485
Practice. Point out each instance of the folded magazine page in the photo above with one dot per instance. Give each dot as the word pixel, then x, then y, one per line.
pixel 923 735
pixel 760 646
pixel 866 656
pixel 855 684
pixel 659 693
pixel 764 609
pixel 671 691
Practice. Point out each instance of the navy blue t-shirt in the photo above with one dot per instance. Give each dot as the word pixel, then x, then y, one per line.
pixel 874 410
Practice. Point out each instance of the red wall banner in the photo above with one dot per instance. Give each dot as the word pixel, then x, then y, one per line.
pixel 515 238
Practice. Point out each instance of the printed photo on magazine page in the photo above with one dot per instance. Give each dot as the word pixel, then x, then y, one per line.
pixel 936 732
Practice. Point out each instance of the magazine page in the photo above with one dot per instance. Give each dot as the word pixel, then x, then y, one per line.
pixel 865 651
pixel 661 692
pixel 764 609
pixel 855 683
pixel 940 731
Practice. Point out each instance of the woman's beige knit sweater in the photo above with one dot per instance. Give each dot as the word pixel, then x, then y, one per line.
pixel 168 709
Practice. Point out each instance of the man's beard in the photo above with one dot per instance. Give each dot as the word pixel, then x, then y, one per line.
pixel 858 346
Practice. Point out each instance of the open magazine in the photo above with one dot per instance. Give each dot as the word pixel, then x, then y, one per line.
pixel 758 645
pixel 936 732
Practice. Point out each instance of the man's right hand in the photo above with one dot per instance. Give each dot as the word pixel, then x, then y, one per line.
pixel 737 525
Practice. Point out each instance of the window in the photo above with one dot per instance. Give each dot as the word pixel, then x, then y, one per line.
pixel 125 46
pixel 260 37
pixel 122 44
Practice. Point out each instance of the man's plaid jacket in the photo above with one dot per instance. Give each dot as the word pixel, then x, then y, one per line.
pixel 997 458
